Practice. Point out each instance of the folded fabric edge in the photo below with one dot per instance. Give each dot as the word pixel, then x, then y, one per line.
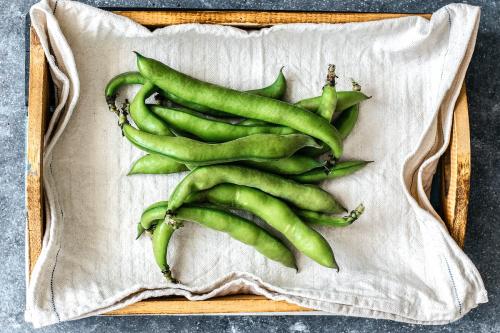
pixel 67 101
pixel 472 274
pixel 475 290
pixel 242 285
pixel 245 283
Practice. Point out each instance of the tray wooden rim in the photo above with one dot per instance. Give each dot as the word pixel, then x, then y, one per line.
pixel 455 163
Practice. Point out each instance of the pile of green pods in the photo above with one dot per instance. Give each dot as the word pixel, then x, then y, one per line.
pixel 246 151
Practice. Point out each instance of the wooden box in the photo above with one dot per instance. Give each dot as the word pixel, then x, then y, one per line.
pixel 455 164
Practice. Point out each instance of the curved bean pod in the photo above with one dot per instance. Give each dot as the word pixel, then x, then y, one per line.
pixel 276 90
pixel 119 81
pixel 199 153
pixel 153 214
pixel 346 121
pixel 235 226
pixel 155 205
pixel 140 230
pixel 161 237
pixel 293 165
pixel 315 218
pixel 160 164
pixel 345 99
pixel 240 103
pixel 275 213
pixel 311 103
pixel 340 169
pixel 144 119
pixel 302 196
pixel 308 217
pixel 211 130
pixel 156 164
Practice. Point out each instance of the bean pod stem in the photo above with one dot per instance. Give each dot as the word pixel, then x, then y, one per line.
pixel 328 102
pixel 315 218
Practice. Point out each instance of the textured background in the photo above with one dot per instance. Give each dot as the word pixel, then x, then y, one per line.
pixel 483 230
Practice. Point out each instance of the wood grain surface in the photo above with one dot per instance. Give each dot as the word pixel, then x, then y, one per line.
pixel 37 109
pixel 254 19
pixel 456 165
pixel 226 304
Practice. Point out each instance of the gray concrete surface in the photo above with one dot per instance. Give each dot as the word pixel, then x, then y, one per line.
pixel 482 243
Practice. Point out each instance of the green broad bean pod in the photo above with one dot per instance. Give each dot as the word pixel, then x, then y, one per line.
pixel 157 165
pixel 341 169
pixel 210 130
pixel 274 212
pixel 346 121
pixel 160 164
pixel 276 90
pixel 293 165
pixel 307 197
pixel 153 214
pixel 119 81
pixel 194 106
pixel 194 152
pixel 345 99
pixel 240 103
pixel 156 204
pixel 235 226
pixel 142 116
pixel 315 218
pixel 140 230
pixel 161 237
pixel 328 102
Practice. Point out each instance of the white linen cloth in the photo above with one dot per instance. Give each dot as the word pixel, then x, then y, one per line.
pixel 397 262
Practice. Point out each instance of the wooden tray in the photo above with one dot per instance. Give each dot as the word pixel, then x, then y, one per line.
pixel 455 164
